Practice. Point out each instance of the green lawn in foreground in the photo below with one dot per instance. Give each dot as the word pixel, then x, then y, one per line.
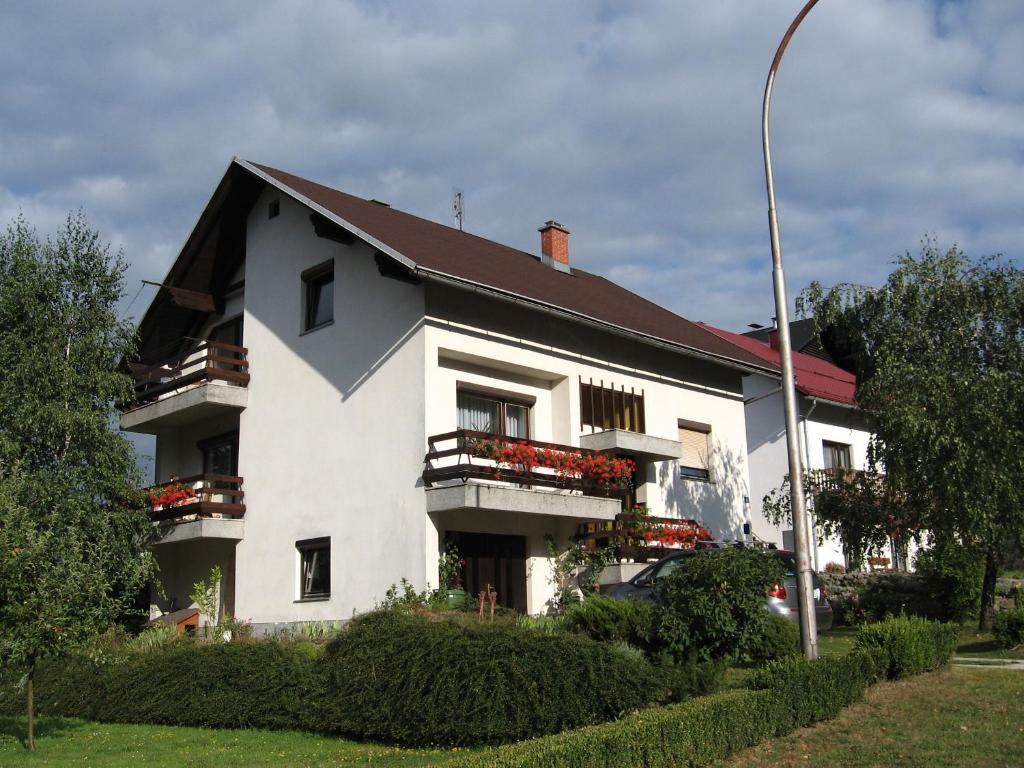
pixel 950 719
pixel 64 741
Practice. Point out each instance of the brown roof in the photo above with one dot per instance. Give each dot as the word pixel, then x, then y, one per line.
pixel 435 248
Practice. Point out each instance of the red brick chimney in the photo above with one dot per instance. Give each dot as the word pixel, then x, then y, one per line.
pixel 554 245
pixel 773 338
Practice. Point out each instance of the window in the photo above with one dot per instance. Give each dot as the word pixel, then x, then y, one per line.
pixel 837 455
pixel 318 285
pixel 500 413
pixel 695 459
pixel 604 407
pixel 314 568
pixel 220 454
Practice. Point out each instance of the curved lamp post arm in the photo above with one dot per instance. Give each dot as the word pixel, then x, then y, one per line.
pixel 801 529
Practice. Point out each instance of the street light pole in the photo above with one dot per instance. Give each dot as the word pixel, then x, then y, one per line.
pixel 804 583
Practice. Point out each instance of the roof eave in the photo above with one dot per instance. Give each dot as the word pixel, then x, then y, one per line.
pixel 581 317
pixel 411 265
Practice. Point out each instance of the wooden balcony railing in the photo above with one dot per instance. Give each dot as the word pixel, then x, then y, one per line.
pixel 641 537
pixel 208 361
pixel 820 480
pixel 198 496
pixel 465 454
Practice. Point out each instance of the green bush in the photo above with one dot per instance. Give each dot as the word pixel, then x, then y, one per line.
pixel 249 685
pixel 1008 627
pixel 693 733
pixel 689 677
pixel 779 640
pixel 602 618
pixel 712 605
pixel 407 679
pixel 910 644
pixel 952 577
pixel 809 691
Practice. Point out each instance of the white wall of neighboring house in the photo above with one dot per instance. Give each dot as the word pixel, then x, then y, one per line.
pixel 819 422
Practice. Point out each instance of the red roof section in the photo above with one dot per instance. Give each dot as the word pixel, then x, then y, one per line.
pixel 814 377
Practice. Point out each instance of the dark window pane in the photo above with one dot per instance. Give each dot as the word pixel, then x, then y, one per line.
pixel 319 300
pixel 316 571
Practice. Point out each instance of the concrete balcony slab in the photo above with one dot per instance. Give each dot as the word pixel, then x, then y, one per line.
pixel 227 529
pixel 186 406
pixel 636 444
pixel 497 498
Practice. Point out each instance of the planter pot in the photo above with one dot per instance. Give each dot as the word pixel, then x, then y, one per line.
pixel 456 599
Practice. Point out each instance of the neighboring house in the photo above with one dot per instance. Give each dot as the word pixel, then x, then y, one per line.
pixel 833 432
pixel 312 356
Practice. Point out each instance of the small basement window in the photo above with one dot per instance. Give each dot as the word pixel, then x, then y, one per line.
pixel 695 459
pixel 314 568
pixel 318 299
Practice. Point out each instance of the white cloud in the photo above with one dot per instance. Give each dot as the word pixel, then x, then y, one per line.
pixel 638 126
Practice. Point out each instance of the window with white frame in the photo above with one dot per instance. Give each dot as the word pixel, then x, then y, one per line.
pixel 314 568
pixel 695 457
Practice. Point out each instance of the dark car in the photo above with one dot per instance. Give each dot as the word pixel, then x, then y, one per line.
pixel 782 599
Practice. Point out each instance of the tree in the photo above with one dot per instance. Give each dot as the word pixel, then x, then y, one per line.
pixel 72 522
pixel 939 356
pixel 863 509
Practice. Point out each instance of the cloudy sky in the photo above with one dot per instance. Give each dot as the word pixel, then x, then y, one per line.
pixel 637 125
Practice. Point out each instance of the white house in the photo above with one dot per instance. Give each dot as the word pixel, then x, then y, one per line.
pixel 311 356
pixel 833 432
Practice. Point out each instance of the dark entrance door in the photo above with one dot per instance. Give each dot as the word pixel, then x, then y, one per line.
pixel 496 560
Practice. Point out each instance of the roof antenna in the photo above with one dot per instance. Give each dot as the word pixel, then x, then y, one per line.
pixel 457 208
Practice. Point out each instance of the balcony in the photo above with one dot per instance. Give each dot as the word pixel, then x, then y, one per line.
pixel 640 446
pixel 466 469
pixel 198 507
pixel 824 480
pixel 210 380
pixel 641 538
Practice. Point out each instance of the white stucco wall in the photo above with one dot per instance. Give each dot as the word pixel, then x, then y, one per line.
pixel 466 342
pixel 769 464
pixel 332 439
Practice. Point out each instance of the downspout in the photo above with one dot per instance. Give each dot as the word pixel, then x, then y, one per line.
pixel 807 466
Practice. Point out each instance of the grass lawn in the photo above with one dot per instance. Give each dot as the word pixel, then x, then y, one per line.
pixel 957 717
pixel 836 641
pixel 63 741
pixel 981 645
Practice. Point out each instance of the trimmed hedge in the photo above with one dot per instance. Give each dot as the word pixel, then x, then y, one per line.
pixel 788 694
pixel 404 679
pixel 809 691
pixel 390 677
pixel 605 619
pixel 910 645
pixel 779 640
pixel 688 734
pixel 244 685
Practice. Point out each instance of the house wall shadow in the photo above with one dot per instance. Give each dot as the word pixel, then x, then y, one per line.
pixel 720 503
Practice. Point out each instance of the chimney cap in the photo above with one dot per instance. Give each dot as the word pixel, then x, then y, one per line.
pixel 552 224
